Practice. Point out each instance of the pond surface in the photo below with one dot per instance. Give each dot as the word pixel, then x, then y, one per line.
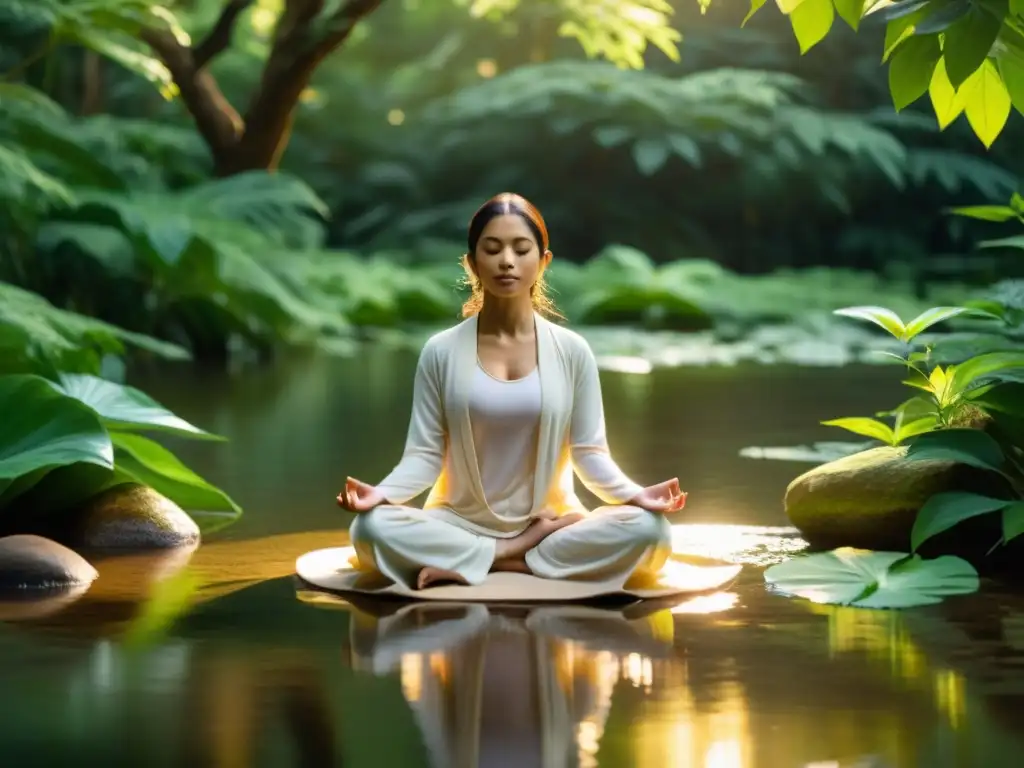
pixel 261 672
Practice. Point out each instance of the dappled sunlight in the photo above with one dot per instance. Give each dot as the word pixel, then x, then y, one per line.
pixel 748 544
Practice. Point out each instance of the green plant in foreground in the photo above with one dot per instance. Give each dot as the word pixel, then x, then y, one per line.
pixel 66 440
pixel 984 389
pixel 975 389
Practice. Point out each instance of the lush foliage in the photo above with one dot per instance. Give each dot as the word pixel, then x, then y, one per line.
pixel 967 55
pixel 65 440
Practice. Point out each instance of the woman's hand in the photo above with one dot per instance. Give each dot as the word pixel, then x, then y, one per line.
pixel 664 497
pixel 358 496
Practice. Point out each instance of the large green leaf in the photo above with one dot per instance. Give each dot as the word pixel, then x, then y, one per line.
pixel 868 579
pixel 965 446
pixel 43 429
pixel 149 463
pixel 126 408
pixel 945 510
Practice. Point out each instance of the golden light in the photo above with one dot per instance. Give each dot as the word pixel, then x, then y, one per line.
pixel 486 68
pixel 396 117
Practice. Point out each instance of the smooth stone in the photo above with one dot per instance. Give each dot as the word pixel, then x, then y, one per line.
pixel 869 499
pixel 132 516
pixel 28 561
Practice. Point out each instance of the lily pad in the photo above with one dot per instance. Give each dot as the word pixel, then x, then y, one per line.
pixel 867 579
pixel 126 408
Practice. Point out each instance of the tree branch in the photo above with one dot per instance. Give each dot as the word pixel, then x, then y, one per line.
pixel 216 120
pixel 219 38
pixel 301 41
pixel 303 37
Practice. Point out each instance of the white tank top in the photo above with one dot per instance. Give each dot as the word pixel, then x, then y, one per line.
pixel 505 416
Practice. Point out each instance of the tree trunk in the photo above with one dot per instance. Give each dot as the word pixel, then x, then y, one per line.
pixel 304 37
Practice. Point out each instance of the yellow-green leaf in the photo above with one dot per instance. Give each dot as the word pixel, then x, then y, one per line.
pixel 928 318
pixel 967 43
pixel 880 316
pixel 986 103
pixel 788 6
pixel 755 6
pixel 1017 7
pixel 946 102
pixel 850 11
pixel 864 426
pixel 812 20
pixel 911 69
pixel 1012 72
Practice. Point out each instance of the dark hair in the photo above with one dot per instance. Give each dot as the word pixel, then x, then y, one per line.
pixel 505 204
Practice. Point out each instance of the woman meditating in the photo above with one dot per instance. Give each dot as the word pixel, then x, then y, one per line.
pixel 506 406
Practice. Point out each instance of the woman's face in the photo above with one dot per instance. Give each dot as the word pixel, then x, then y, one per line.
pixel 508 260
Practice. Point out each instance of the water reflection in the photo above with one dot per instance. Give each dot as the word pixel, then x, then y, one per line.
pixel 693 684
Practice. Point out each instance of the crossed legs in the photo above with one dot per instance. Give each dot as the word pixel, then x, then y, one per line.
pixel 413 548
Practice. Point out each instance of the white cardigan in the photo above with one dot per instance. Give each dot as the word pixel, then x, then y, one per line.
pixel 439 450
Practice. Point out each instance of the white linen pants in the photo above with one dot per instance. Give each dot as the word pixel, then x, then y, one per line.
pixel 611 544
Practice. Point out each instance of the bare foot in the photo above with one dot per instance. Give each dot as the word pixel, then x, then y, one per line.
pixel 428 577
pixel 538 530
pixel 511 565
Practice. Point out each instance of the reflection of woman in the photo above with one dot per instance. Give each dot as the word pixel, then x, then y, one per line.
pixel 506 405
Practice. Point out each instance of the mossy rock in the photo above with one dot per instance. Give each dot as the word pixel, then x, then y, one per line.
pixel 133 516
pixel 869 499
pixel 34 562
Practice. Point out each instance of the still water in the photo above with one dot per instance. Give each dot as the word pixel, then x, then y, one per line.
pixel 257 671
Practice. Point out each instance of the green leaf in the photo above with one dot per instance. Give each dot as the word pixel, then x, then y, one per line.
pixel 916 427
pixel 912 69
pixel 1013 521
pixel 865 426
pixel 851 12
pixel 811 20
pixel 144 461
pixel 945 510
pixel 755 6
pixel 126 408
pixel 928 318
pixel 1012 72
pixel 900 29
pixel 986 103
pixel 650 155
pixel 1007 397
pixel 43 429
pixel 964 446
pixel 868 579
pixel 947 103
pixel 880 316
pixel 999 213
pixel 969 371
pixel 968 42
pixel 941 19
